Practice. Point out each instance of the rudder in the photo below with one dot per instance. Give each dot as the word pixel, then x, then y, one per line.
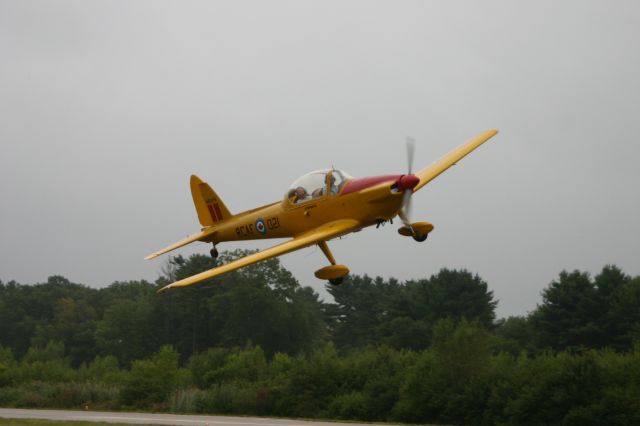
pixel 210 208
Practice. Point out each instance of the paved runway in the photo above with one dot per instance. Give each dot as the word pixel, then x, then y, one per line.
pixel 157 419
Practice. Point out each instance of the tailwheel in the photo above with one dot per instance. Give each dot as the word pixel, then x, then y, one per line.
pixel 214 252
pixel 336 281
pixel 420 238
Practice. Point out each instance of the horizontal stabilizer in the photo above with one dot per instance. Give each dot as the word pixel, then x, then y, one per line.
pixel 195 237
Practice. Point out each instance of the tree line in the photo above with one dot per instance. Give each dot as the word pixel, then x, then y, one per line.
pixel 256 342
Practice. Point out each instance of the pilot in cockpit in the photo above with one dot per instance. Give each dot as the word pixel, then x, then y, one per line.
pixel 316 185
pixel 298 195
pixel 333 188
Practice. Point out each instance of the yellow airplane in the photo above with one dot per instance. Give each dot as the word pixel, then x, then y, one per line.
pixel 318 207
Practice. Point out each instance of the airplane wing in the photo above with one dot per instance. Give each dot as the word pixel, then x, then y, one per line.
pixel 429 173
pixel 195 237
pixel 314 236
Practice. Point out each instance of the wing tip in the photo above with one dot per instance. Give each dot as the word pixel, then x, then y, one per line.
pixel 164 289
pixel 484 136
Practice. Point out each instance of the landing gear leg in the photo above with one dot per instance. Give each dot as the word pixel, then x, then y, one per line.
pixel 333 273
pixel 214 252
pixel 325 249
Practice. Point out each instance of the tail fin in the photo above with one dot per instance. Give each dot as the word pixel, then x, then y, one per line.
pixel 210 208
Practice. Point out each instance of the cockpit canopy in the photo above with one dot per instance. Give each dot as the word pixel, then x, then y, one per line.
pixel 317 184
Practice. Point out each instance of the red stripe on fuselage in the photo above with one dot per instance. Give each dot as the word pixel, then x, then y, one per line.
pixel 356 185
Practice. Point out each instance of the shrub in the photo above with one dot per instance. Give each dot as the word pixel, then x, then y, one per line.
pixel 152 380
pixel 185 400
pixel 61 395
pixel 204 366
pixel 103 370
pixel 351 406
pixel 230 398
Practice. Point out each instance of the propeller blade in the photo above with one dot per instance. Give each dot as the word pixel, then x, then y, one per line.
pixel 405 220
pixel 406 203
pixel 411 147
pixel 405 210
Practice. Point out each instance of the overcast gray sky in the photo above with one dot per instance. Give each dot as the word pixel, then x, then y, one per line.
pixel 106 108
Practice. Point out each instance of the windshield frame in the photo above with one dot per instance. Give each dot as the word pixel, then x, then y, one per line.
pixel 316 186
pixel 311 186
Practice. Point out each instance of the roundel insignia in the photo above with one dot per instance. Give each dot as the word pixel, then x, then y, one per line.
pixel 261 226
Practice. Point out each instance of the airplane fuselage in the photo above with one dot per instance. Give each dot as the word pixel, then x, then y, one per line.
pixel 366 200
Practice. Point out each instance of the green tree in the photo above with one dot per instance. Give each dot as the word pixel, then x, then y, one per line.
pixel 620 297
pixel 250 313
pixel 515 334
pixel 449 382
pixel 362 306
pixel 454 294
pixel 262 305
pixel 127 330
pixel 7 365
pixel 26 308
pixel 557 389
pixel 571 314
pixel 182 315
pixel 610 280
pixel 622 323
pixel 374 311
pixel 74 324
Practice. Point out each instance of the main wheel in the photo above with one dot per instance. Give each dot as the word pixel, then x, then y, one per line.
pixel 420 238
pixel 336 281
pixel 214 253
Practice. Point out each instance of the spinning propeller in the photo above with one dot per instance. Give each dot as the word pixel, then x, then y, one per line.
pixel 406 183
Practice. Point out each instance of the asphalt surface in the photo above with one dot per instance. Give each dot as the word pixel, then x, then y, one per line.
pixel 157 419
